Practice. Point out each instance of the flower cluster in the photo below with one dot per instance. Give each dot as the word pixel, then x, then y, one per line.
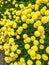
pixel 22 45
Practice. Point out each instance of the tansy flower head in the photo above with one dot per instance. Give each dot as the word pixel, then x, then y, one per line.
pixel 44 57
pixel 29 62
pixel 37 33
pixel 47 12
pixel 47 50
pixel 27 46
pixel 38 62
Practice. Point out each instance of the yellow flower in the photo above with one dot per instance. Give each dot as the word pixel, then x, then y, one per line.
pixel 29 10
pixel 20 28
pixel 27 40
pixel 29 15
pixel 48 62
pixel 3 23
pixel 25 36
pixel 42 11
pixel 48 4
pixel 24 26
pixel 40 29
pixel 31 53
pixel 21 6
pixel 29 62
pixel 31 21
pixel 11 40
pixel 37 33
pixel 29 5
pixel 41 41
pixel 15 63
pixel 35 42
pixel 4 28
pixel 18 51
pixel 42 33
pixel 7 52
pixel 15 25
pixel 6 46
pixel 18 12
pixel 17 18
pixel 19 63
pixel 35 48
pixel 42 36
pixel 33 57
pixel 36 7
pixel 33 6
pixel 13 2
pixel 13 48
pixel 5 33
pixel 27 46
pixel 7 59
pixel 18 37
pixel 45 1
pixel 38 23
pixel 38 2
pixel 23 18
pixel 12 54
pixel 38 13
pixel 23 63
pixel 22 60
pixel 16 5
pixel 9 33
pixel 34 17
pixel 11 63
pixel 44 19
pixel 38 56
pixel 47 13
pixel 24 12
pixel 41 47
pixel 19 31
pixel 33 38
pixel 35 25
pixel 32 13
pixel 16 55
pixel 47 50
pixel 44 57
pixel 12 33
pixel 28 21
pixel 38 62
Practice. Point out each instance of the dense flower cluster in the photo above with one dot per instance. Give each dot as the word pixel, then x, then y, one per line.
pixel 12 33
